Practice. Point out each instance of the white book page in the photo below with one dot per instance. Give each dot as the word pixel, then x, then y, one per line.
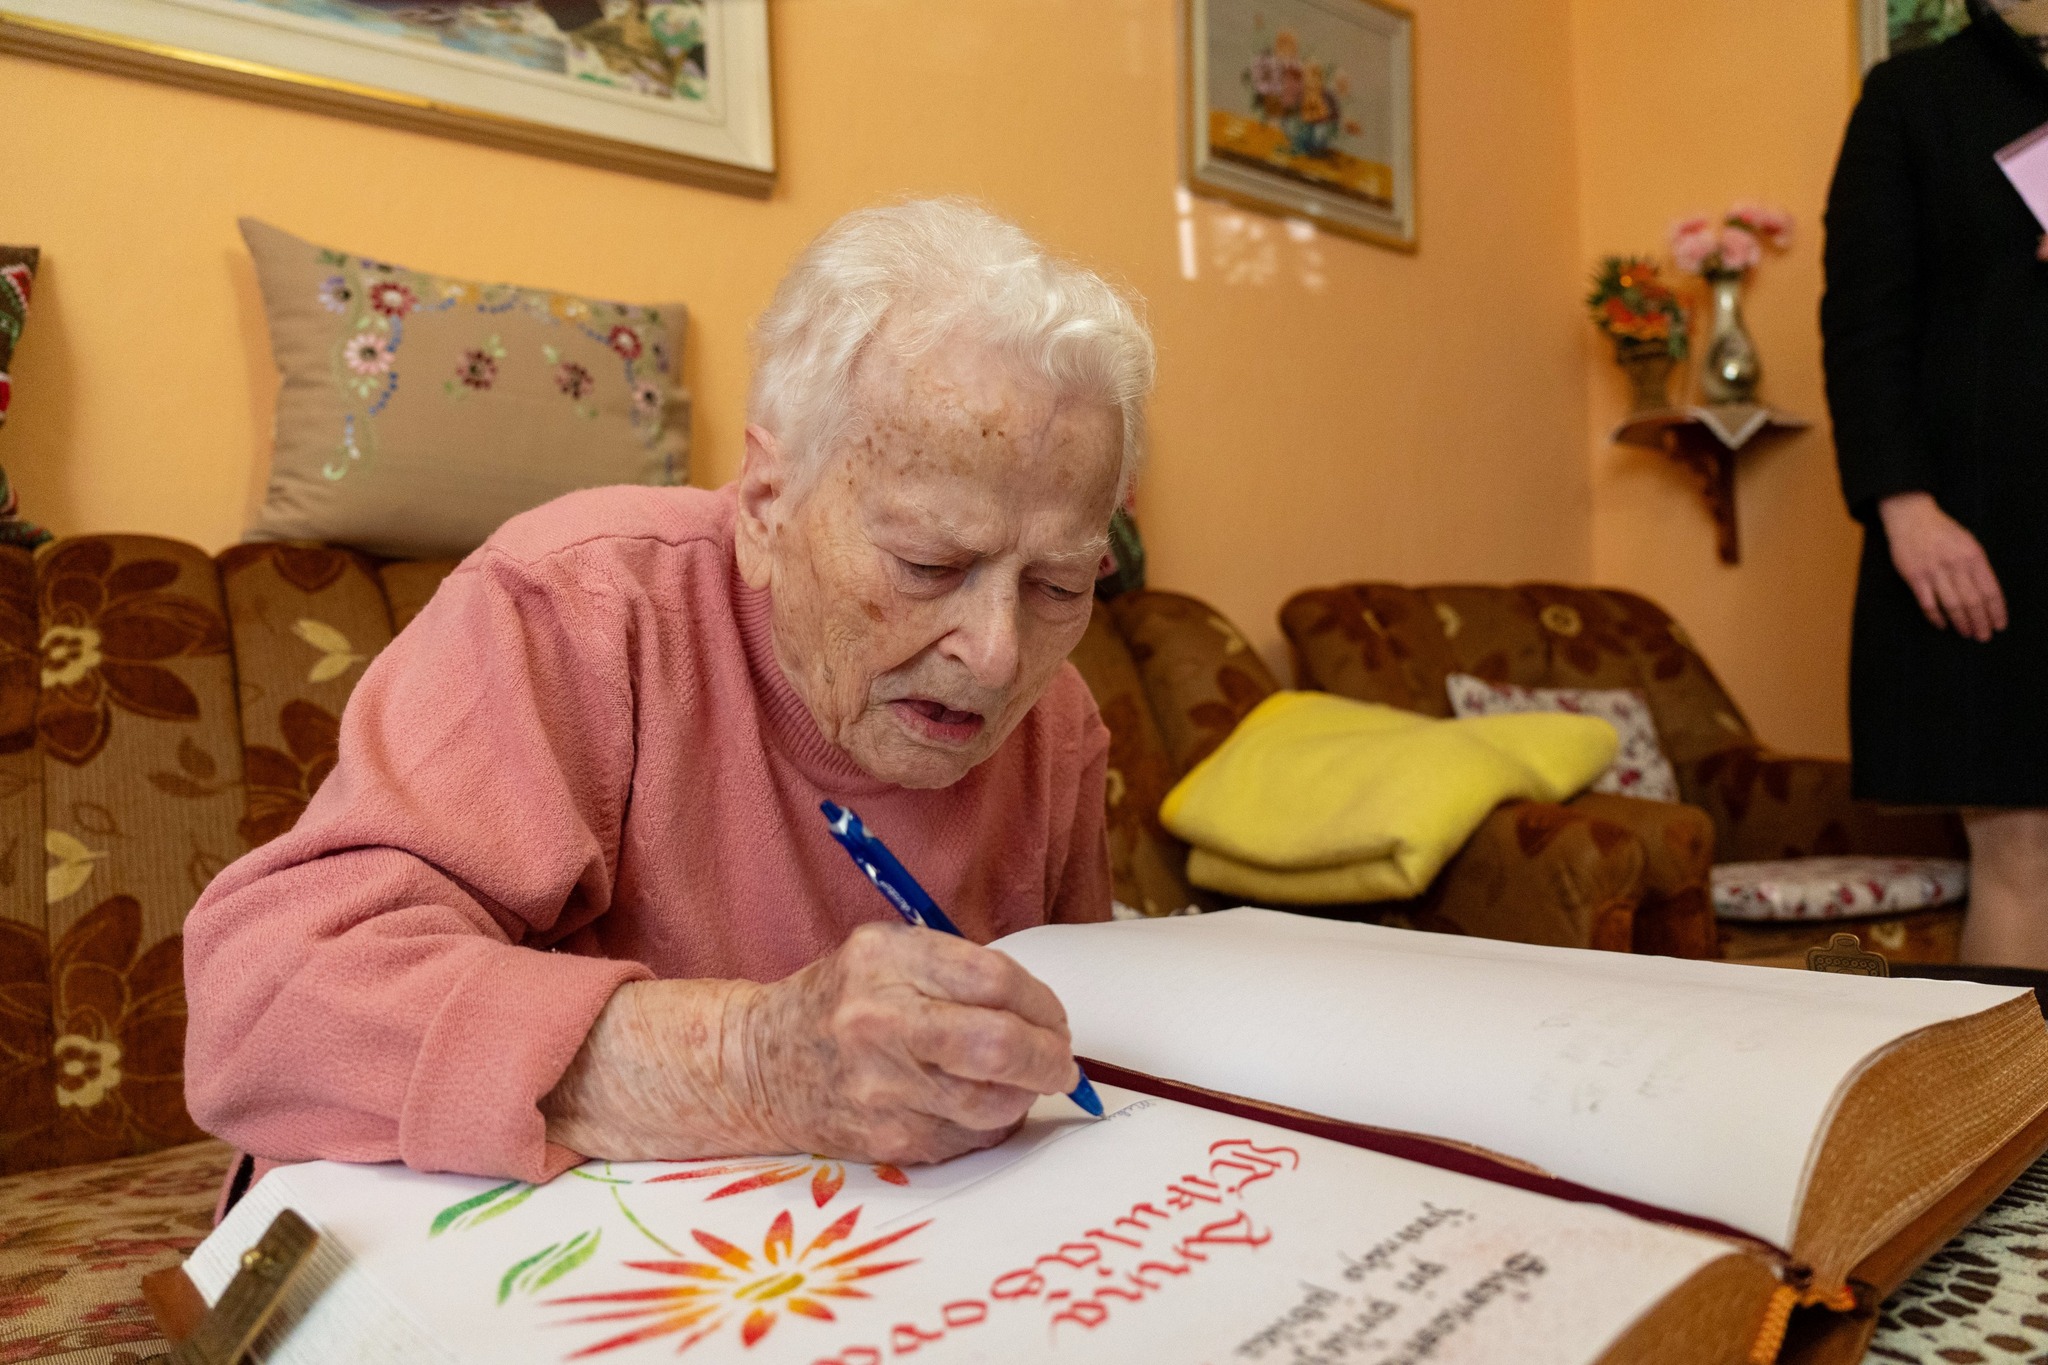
pixel 1163 1233
pixel 1695 1086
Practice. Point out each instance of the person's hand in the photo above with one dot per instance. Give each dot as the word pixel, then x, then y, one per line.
pixel 1944 565
pixel 906 1045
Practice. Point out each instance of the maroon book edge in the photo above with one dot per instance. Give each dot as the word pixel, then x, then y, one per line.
pixel 1427 1151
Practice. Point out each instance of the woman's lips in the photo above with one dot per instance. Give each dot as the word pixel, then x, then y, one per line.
pixel 936 720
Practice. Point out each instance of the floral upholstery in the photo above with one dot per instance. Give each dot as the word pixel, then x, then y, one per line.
pixel 1388 643
pixel 160 714
pixel 1836 888
pixel 1145 861
pixel 76 1241
pixel 1639 768
pixel 409 584
pixel 135 748
pixel 305 619
pixel 1201 675
pixel 1769 805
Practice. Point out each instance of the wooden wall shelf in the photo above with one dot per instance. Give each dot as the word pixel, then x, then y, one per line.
pixel 1706 440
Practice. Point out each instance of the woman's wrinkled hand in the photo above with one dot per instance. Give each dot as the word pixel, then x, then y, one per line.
pixel 903 1045
pixel 1943 564
pixel 906 1045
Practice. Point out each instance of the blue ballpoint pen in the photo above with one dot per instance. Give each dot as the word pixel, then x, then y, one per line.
pixel 918 909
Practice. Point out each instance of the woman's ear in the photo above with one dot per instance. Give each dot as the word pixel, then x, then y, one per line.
pixel 763 499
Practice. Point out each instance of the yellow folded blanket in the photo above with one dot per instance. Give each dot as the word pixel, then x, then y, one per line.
pixel 1315 798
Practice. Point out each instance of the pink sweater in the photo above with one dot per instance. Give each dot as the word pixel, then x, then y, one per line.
pixel 580 766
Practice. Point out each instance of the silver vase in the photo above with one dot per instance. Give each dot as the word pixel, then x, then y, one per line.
pixel 1731 368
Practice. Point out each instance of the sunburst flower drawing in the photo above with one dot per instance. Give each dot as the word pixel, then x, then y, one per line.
pixel 759 1173
pixel 707 1295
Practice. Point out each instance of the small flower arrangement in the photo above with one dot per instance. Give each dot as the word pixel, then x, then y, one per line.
pixel 1733 245
pixel 1631 303
pixel 1302 97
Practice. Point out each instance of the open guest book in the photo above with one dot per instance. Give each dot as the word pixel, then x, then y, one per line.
pixel 1326 1143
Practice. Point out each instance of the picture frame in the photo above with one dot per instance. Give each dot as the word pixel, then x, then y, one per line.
pixel 1304 108
pixel 1885 27
pixel 678 90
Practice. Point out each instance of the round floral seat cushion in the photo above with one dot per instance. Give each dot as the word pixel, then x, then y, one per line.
pixel 1836 888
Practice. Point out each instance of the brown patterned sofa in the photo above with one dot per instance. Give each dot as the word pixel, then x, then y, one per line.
pixel 1387 643
pixel 160 713
pixel 1172 677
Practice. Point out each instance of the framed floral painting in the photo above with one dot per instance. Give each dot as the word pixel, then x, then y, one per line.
pixel 1305 108
pixel 1884 27
pixel 672 88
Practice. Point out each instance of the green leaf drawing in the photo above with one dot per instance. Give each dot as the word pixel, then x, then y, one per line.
pixel 549 1264
pixel 481 1208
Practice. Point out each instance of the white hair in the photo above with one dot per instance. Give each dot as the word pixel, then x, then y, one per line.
pixel 938 271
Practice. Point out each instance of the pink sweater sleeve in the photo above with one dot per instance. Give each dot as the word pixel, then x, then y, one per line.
pixel 373 985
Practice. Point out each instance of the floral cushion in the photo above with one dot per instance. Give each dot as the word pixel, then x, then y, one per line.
pixel 416 412
pixel 1836 888
pixel 76 1241
pixel 17 284
pixel 1639 768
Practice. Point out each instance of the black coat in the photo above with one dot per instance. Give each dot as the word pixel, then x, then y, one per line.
pixel 1935 326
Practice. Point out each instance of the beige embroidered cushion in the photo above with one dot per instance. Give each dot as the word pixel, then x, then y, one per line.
pixel 416 412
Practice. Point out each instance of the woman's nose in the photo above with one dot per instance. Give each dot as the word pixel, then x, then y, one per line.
pixel 985 638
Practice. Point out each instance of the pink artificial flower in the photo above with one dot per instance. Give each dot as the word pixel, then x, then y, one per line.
pixel 1740 250
pixel 1693 242
pixel 1772 225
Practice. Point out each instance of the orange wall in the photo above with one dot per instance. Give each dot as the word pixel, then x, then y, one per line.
pixel 1684 107
pixel 1326 409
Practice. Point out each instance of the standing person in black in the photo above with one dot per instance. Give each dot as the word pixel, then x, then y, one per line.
pixel 1935 326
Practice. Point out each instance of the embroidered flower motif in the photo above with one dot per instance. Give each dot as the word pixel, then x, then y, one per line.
pixel 1559 619
pixel 646 401
pixel 69 653
pixel 335 295
pixel 368 353
pixel 87 1069
pixel 573 380
pixel 280 783
pixel 477 370
pixel 625 341
pixel 110 630
pixel 392 299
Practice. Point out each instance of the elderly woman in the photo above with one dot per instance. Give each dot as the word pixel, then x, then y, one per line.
pixel 567 893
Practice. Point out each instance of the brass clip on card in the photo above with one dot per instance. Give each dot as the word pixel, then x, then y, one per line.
pixel 1844 953
pixel 223 1336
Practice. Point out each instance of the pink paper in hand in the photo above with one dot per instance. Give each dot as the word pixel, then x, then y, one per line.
pixel 2025 163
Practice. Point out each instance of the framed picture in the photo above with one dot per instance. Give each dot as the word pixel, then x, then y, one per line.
pixel 1305 107
pixel 672 88
pixel 1884 27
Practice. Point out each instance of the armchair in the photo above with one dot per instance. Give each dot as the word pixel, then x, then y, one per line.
pixel 1388 643
pixel 1172 677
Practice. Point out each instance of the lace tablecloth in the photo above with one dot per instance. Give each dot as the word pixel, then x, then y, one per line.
pixel 1984 1296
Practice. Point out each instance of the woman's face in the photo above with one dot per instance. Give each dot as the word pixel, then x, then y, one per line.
pixel 941 565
